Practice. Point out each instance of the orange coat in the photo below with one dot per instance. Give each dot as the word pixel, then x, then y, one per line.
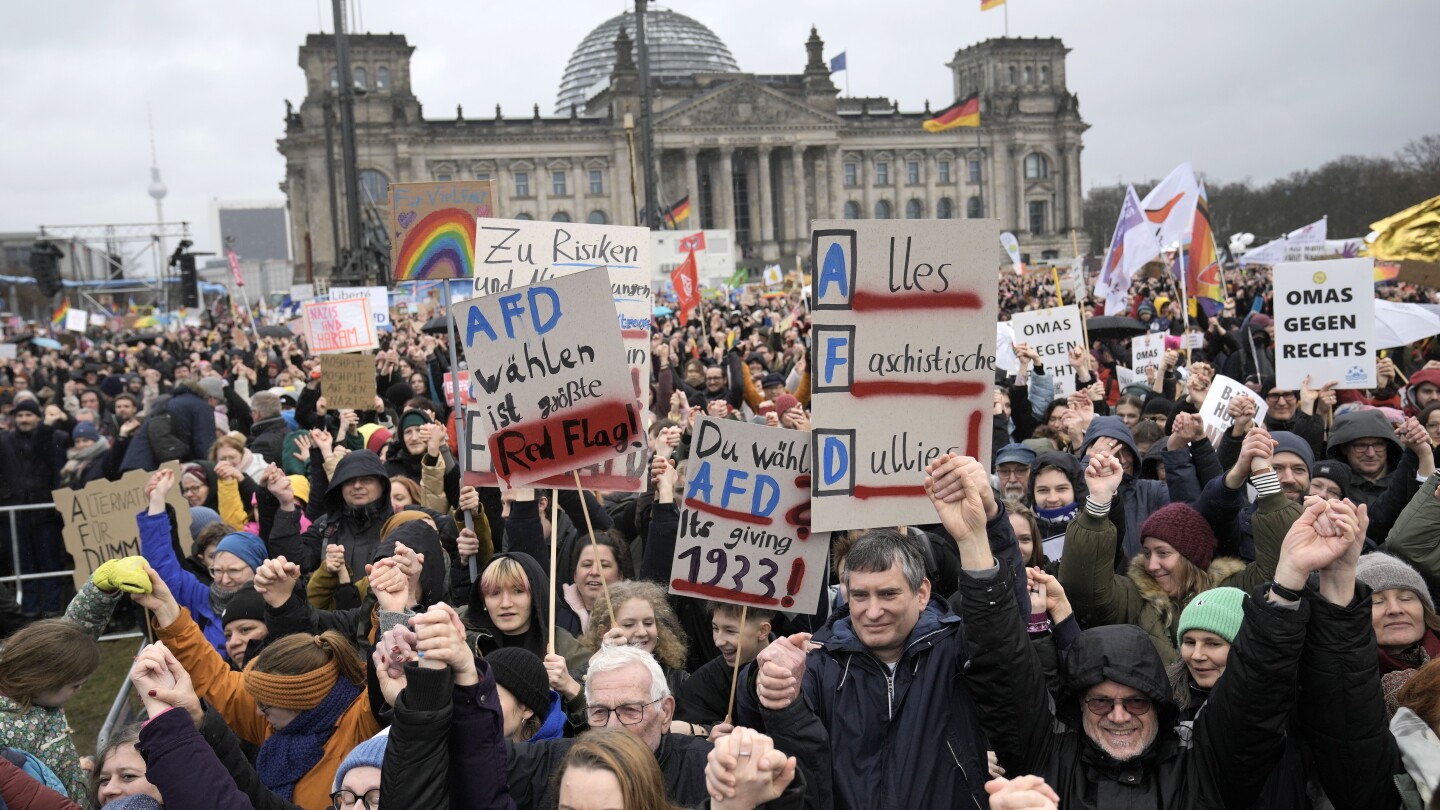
pixel 224 688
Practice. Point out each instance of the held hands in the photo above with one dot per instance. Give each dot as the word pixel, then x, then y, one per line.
pixel 395 648
pixel 1103 476
pixel 959 488
pixel 666 441
pixel 1051 593
pixel 1241 409
pixel 1413 436
pixel 1254 458
pixel 158 488
pixel 745 771
pixel 163 683
pixel 334 558
pixel 124 574
pixel 389 584
pixel 1185 429
pixel 278 484
pixel 664 475
pixel 1021 793
pixel 323 440
pixel 795 419
pixel 780 670
pixel 440 642
pixel 275 580
pixel 158 600
pixel 1327 537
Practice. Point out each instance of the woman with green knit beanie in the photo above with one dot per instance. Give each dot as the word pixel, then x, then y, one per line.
pixel 1207 628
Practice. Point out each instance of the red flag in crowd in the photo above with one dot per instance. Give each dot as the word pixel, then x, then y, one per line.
pixel 687 286
pixel 695 241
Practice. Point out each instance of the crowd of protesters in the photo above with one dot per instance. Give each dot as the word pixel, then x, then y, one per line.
pixel 1111 611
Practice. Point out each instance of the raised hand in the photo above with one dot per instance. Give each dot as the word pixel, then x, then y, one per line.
pixel 781 670
pixel 1254 459
pixel 1185 429
pixel 389 584
pixel 303 444
pixel 1057 604
pixel 1241 409
pixel 150 675
pixel 434 438
pixel 322 439
pixel 664 475
pixel 558 673
pixel 1103 476
pixel 666 441
pixel 395 648
pixel 1384 372
pixel 1413 436
pixel 795 419
pixel 160 601
pixel 334 558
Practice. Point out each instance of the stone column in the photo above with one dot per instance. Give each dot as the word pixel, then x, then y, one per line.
pixel 833 188
pixel 862 176
pixel 722 185
pixel 1076 204
pixel 692 184
pixel 579 187
pixel 540 185
pixel 765 200
pixel 504 191
pixel 1017 173
pixel 800 226
pixel 931 168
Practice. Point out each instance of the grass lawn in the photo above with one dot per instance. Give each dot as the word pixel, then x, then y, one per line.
pixel 87 710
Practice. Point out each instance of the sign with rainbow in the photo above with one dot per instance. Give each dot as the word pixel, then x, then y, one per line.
pixel 432 228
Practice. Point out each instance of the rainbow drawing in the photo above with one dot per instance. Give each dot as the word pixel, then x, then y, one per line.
pixel 441 245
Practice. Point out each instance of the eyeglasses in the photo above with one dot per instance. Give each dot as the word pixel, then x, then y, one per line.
pixel 228 573
pixel 190 489
pixel 1368 447
pixel 1274 396
pixel 629 714
pixel 1101 706
pixel 342 799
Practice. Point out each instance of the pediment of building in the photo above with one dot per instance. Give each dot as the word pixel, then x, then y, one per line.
pixel 745 103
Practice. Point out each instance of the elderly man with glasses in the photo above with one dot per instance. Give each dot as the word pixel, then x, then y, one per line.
pixel 624 688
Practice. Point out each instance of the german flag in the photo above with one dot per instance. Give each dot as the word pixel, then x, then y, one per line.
pixel 678 214
pixel 986 5
pixel 963 113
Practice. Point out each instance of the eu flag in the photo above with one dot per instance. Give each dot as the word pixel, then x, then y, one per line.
pixel 837 63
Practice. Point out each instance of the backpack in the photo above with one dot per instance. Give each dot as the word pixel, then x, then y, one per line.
pixel 169 439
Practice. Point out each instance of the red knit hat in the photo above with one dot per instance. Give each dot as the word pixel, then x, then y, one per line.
pixel 1185 529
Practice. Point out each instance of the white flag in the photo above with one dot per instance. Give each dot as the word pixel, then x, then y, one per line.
pixel 1170 206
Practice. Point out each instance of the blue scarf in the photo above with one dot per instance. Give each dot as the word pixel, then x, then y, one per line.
pixel 292 751
pixel 554 726
pixel 1061 514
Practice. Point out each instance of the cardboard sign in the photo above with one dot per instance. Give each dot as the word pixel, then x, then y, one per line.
pixel 379 301
pixel 509 253
pixel 1126 378
pixel 339 326
pixel 1065 384
pixel 745 521
pixel 302 292
pixel 1005 347
pixel 903 341
pixel 76 320
pixel 1192 340
pixel 348 382
pixel 1214 410
pixel 1325 323
pixel 96 319
pixel 432 228
pixel 552 391
pixel 1051 333
pixel 100 518
pixel 1147 352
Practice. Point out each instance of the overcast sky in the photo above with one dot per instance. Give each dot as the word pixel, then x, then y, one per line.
pixel 1242 89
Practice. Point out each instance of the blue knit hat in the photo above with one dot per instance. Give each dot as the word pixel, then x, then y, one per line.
pixel 200 517
pixel 369 753
pixel 249 548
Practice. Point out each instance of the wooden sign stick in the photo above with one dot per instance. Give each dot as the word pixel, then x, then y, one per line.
pixel 735 675
pixel 594 546
pixel 554 518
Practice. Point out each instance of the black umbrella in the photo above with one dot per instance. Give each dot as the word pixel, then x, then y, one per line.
pixel 1111 327
pixel 275 331
pixel 437 325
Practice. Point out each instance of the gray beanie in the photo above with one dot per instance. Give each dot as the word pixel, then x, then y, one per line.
pixel 1382 572
pixel 1287 442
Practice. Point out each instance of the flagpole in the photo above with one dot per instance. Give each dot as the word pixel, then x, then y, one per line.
pixel 1184 301
pixel 1007 20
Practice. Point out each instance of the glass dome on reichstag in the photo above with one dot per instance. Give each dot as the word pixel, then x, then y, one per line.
pixel 678 45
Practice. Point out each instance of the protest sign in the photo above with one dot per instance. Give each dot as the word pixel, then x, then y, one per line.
pixel 1146 352
pixel 552 391
pixel 1065 384
pixel 1051 333
pixel 1325 323
pixel 1005 347
pixel 467 393
pixel 100 518
pixel 432 228
pixel 509 253
pixel 1214 410
pixel 8 351
pixel 339 326
pixel 302 292
pixel 348 382
pixel 97 319
pixel 379 301
pixel 774 276
pixel 745 520
pixel 1127 378
pixel 904 346
pixel 1192 340
pixel 76 320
